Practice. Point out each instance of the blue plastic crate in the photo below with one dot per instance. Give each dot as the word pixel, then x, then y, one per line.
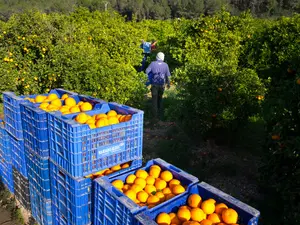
pixel 71 198
pixel 82 151
pixel 112 207
pixel 5 149
pixel 247 214
pixel 40 207
pixel 35 124
pixel 18 155
pixel 12 111
pixel 38 173
pixel 6 174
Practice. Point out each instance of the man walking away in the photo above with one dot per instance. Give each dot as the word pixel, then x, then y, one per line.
pixel 159 76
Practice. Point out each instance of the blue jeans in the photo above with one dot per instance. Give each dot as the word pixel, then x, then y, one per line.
pixel 157 92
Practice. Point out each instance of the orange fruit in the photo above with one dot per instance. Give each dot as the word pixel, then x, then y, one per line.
pixel 125 165
pixel 142 196
pixel 177 190
pixel 52 108
pixel 81 118
pixel 86 106
pixel 116 168
pixel 163 219
pixel 92 126
pixel 122 118
pixel 113 120
pixel 174 219
pixel 90 121
pixel 126 187
pixel 118 184
pixel 70 102
pixel 56 102
pixel 130 179
pixel 229 216
pixel 166 176
pixel 79 103
pixel 52 96
pixel 221 224
pixel 161 196
pixel 153 200
pixel 64 96
pixel 39 98
pixel 197 214
pixel 220 207
pixel 183 214
pixel 206 222
pixel 141 182
pixel 208 207
pixel 107 172
pixel 101 116
pixel 150 180
pixel 150 189
pixel 112 113
pixel 127 118
pixel 131 194
pixel 169 196
pixel 101 123
pixel 74 109
pixel 160 184
pixel 212 200
pixel 194 200
pixel 154 171
pixel 141 173
pixel 194 223
pixel 173 182
pixel 215 218
pixel 166 191
pixel 136 188
pixel 44 105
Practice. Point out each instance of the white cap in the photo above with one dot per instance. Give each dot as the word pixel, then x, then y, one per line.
pixel 160 56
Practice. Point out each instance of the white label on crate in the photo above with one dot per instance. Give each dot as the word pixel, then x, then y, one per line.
pixel 111 149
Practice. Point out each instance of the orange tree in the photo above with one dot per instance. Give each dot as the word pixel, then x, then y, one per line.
pixel 275 54
pixel 214 89
pixel 90 53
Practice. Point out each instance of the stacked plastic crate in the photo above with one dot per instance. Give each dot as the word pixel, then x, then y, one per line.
pixel 6 172
pixel 13 125
pixel 78 152
pixel 35 132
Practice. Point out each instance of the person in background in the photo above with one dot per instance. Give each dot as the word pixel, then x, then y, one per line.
pixel 159 77
pixel 146 46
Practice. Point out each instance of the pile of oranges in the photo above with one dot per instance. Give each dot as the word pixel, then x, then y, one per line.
pixel 108 171
pixel 150 188
pixel 102 120
pixel 198 212
pixel 65 104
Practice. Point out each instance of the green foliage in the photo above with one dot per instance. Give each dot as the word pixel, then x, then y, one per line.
pixel 211 82
pixel 91 53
